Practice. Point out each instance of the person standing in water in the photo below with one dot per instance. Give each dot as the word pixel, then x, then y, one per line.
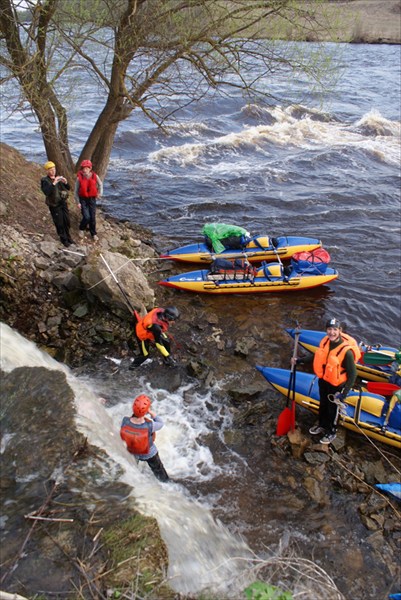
pixel 139 433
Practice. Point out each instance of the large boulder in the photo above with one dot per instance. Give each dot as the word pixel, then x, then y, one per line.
pixel 100 283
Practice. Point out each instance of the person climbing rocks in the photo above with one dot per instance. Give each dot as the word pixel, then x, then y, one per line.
pixel 56 188
pixel 88 189
pixel 334 364
pixel 139 432
pixel 152 329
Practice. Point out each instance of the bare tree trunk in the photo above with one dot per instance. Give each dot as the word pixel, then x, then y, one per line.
pixel 101 156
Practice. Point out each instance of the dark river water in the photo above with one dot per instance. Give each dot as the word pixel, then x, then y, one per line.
pixel 326 167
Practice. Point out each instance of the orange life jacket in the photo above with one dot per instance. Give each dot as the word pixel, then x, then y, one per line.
pixel 137 438
pixel 327 364
pixel 87 185
pixel 152 318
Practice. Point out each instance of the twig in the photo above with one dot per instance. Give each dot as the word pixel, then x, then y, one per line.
pixel 9 276
pixel 35 517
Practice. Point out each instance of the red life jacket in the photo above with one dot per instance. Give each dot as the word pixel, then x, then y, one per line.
pixel 87 186
pixel 152 318
pixel 137 438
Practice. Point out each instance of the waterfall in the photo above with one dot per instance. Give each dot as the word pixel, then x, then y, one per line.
pixel 203 554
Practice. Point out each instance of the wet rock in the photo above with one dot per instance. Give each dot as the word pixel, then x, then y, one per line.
pixel 316 490
pixel 376 540
pixel 251 415
pixel 212 318
pixel 375 472
pixel 244 345
pixel 374 503
pixel 299 442
pixel 242 391
pixel 316 458
pixel 198 369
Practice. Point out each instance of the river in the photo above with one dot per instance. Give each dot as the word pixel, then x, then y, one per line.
pixel 327 168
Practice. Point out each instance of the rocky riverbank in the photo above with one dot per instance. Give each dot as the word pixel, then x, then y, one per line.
pixel 66 301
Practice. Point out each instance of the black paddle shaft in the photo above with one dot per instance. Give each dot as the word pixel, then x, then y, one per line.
pixel 291 383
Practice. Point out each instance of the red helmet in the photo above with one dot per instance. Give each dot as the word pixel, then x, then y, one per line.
pixel 86 163
pixel 141 405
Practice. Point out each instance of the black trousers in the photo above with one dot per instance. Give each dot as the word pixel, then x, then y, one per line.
pixel 61 219
pixel 328 411
pixel 157 467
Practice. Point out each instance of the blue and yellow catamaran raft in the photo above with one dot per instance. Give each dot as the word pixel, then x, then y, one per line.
pixel 270 277
pixel 371 414
pixel 257 249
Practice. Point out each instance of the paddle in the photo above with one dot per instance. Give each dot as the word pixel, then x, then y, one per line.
pixel 286 419
pixel 377 358
pixel 384 389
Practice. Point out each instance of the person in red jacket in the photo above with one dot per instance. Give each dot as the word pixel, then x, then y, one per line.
pixel 334 364
pixel 88 188
pixel 139 433
pixel 152 329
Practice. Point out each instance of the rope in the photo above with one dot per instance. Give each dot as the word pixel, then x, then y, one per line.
pixel 377 448
pixel 367 485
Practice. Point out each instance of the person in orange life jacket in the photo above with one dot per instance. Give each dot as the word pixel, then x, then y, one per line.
pixel 55 188
pixel 88 188
pixel 152 328
pixel 139 433
pixel 334 364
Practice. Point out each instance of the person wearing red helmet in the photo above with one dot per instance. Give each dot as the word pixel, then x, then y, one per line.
pixel 152 329
pixel 56 188
pixel 88 188
pixel 139 432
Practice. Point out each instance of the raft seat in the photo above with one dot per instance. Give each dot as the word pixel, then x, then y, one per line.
pixel 263 242
pixel 371 405
pixel 227 276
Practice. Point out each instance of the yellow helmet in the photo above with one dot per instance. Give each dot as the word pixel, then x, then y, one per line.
pixel 49 165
